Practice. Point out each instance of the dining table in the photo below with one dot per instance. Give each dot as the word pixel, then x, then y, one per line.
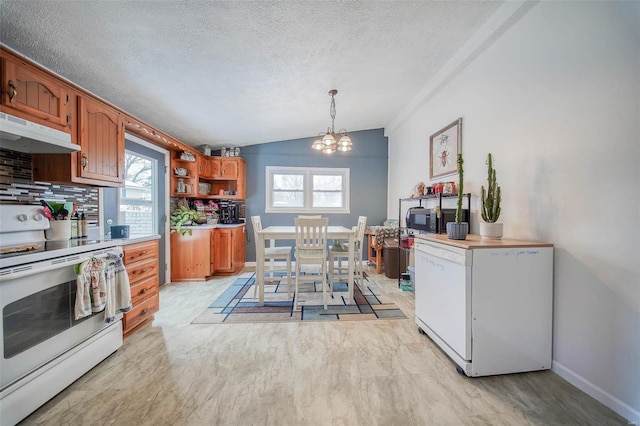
pixel 288 232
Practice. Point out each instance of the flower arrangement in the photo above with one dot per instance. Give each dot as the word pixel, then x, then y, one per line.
pixel 214 210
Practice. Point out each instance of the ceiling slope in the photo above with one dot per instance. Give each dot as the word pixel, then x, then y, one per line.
pixel 242 73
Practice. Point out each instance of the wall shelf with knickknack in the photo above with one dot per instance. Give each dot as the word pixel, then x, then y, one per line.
pixel 184 176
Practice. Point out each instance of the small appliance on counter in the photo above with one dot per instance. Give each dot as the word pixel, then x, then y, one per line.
pixel 228 212
pixel 423 219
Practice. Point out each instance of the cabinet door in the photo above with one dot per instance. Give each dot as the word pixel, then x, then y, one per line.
pixel 204 167
pixel 239 255
pixel 214 164
pixel 101 137
pixel 229 168
pixel 224 253
pixel 34 95
pixel 190 255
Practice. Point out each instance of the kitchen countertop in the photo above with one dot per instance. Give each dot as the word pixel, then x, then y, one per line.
pixel 126 241
pixel 474 241
pixel 217 225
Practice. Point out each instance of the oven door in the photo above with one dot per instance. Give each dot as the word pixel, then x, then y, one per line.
pixel 38 322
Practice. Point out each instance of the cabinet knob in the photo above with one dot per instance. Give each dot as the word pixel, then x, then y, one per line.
pixel 144 290
pixel 85 161
pixel 14 91
pixel 144 311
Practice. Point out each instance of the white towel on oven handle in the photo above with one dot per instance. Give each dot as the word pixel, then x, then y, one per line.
pixel 91 295
pixel 118 288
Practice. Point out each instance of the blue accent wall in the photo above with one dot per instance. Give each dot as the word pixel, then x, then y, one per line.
pixel 367 161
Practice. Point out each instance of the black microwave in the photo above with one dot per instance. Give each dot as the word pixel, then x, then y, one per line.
pixel 422 219
pixel 419 218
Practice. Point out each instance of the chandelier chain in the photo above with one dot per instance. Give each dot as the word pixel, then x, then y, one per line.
pixel 332 112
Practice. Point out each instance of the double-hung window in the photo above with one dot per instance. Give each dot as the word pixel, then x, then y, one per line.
pixel 307 190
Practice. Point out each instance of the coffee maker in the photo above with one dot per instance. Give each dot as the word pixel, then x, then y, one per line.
pixel 228 212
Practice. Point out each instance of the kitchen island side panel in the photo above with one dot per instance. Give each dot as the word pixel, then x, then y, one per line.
pixel 512 306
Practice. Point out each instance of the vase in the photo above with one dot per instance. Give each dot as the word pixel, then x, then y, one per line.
pixel 490 231
pixel 457 231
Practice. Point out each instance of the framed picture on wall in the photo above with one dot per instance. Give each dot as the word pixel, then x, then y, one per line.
pixel 444 146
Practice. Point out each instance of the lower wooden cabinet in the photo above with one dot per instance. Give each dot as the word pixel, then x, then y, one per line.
pixel 221 253
pixel 141 261
pixel 191 255
pixel 228 250
pixel 196 257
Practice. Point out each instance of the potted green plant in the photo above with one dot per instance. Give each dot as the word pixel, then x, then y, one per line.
pixel 182 216
pixel 458 230
pixel 490 205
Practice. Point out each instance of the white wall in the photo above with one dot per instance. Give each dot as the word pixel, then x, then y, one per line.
pixel 556 99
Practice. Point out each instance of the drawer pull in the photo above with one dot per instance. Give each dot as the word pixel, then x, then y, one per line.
pixel 144 270
pixel 144 290
pixel 14 91
pixel 144 311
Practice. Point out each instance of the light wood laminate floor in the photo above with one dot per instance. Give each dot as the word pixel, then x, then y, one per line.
pixel 379 372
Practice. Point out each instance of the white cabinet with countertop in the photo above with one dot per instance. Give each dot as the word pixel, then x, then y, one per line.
pixel 487 303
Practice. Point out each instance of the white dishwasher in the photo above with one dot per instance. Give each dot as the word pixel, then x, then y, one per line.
pixel 487 304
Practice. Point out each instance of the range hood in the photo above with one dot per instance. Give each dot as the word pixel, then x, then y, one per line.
pixel 18 134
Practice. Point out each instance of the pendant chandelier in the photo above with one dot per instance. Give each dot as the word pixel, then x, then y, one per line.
pixel 329 142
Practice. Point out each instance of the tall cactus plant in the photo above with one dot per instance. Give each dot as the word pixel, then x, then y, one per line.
pixel 460 189
pixel 491 196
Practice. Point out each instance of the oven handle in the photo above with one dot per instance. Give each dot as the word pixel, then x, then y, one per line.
pixel 21 271
pixel 24 271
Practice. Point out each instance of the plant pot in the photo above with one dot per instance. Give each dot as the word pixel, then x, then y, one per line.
pixel 457 231
pixel 491 231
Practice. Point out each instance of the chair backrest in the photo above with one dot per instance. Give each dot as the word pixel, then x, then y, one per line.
pixel 257 227
pixel 311 234
pixel 360 228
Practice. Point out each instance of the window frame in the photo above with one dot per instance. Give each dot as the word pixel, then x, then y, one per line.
pixel 308 174
pixel 153 204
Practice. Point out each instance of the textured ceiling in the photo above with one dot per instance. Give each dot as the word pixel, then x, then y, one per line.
pixel 241 73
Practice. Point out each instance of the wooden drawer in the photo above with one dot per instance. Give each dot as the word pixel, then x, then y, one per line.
pixel 143 290
pixel 140 270
pixel 140 251
pixel 140 313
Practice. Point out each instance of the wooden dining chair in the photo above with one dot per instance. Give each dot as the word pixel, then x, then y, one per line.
pixel 271 255
pixel 339 252
pixel 311 249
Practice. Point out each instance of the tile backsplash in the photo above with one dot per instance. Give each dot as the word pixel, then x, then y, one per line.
pixel 18 187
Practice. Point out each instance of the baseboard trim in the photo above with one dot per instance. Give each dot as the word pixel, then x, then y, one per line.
pixel 599 394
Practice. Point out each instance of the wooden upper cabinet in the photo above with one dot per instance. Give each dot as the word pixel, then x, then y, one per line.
pixel 34 95
pixel 101 139
pixel 215 166
pixel 99 131
pixel 229 168
pixel 219 167
pixel 204 167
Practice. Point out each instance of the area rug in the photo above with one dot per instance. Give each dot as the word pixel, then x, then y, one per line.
pixel 237 304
